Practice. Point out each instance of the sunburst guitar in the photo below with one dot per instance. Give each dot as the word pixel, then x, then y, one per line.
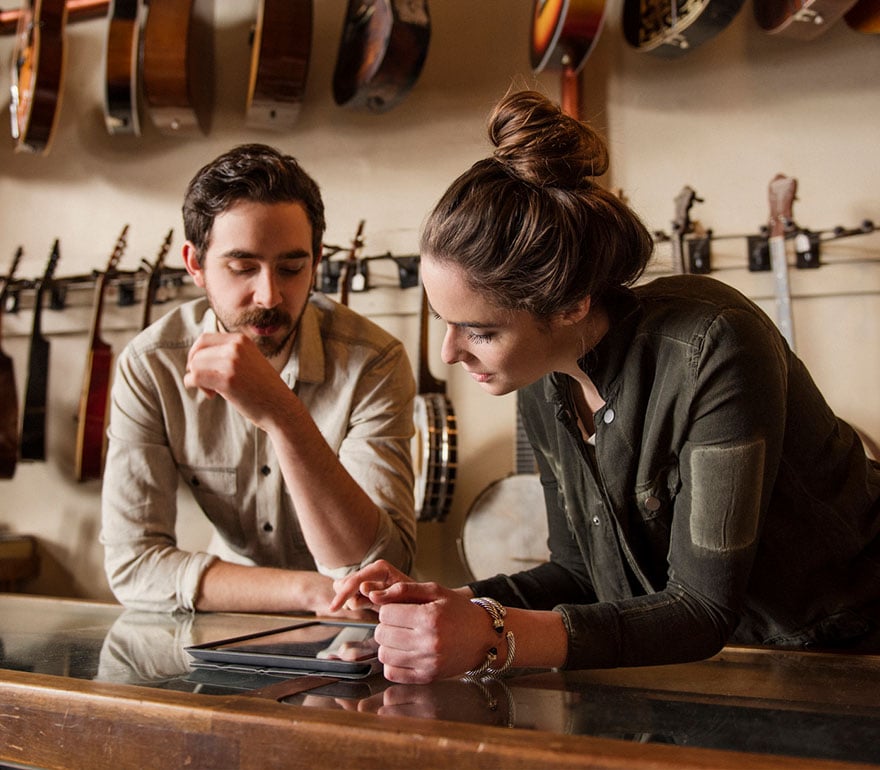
pixel 670 28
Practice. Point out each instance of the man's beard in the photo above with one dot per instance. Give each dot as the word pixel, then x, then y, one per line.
pixel 268 346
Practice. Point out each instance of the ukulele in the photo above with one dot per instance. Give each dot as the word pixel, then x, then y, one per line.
pixel 564 33
pixel 781 193
pixel 801 19
pixel 435 443
pixel 33 424
pixel 383 49
pixel 8 393
pixel 176 65
pixel 121 67
pixel 281 47
pixel 38 74
pixel 670 28
pixel 92 418
pixel 154 279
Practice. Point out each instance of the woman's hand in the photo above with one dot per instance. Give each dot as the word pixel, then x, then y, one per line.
pixel 353 591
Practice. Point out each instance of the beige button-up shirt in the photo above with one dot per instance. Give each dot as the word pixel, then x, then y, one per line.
pixel 357 383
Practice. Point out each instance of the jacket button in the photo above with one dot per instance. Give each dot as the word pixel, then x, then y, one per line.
pixel 652 503
pixel 595 521
pixel 608 417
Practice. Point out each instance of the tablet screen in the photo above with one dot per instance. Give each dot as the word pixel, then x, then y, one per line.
pixel 314 640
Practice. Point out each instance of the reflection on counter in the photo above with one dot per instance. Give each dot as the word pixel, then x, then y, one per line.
pixel 784 703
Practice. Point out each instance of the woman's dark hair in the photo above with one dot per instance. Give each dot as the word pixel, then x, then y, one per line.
pixel 529 225
pixel 250 172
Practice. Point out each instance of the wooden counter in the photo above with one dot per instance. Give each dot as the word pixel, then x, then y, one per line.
pixel 85 685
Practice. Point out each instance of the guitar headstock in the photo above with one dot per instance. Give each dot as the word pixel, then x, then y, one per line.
pixel 163 251
pixel 53 262
pixel 781 193
pixel 118 251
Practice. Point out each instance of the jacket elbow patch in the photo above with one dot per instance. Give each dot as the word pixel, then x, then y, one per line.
pixel 726 499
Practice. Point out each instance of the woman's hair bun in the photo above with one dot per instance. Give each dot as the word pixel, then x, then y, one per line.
pixel 539 143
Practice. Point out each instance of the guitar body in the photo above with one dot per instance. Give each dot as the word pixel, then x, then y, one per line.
pixel 384 46
pixel 38 74
pixel 671 28
pixel 177 65
pixel 435 443
pixel 279 63
pixel 800 19
pixel 564 32
pixel 92 419
pixel 864 16
pixel 121 67
pixel 8 418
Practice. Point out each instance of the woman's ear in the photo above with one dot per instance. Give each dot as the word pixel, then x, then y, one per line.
pixel 191 263
pixel 575 314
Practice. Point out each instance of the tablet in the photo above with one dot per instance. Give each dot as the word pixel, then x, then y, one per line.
pixel 343 649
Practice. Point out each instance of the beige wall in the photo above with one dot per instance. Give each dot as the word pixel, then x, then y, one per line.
pixel 723 119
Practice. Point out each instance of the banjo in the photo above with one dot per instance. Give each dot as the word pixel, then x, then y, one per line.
pixel 434 445
pixel 505 530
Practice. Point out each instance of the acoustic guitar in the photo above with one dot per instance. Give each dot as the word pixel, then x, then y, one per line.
pixel 177 65
pixel 800 19
pixel 92 417
pixel 435 443
pixel 381 54
pixel 670 28
pixel 564 33
pixel 781 193
pixel 38 65
pixel 33 423
pixel 864 16
pixel 154 280
pixel 8 392
pixel 281 47
pixel 122 53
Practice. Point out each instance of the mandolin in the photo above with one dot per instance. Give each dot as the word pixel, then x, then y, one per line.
pixel 781 192
pixel 383 49
pixel 435 443
pixel 33 423
pixel 670 28
pixel 177 65
pixel 281 48
pixel 8 393
pixel 38 64
pixel 92 418
pixel 154 279
pixel 564 33
pixel 801 19
pixel 121 67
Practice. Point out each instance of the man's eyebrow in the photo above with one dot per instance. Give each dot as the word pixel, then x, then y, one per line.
pixel 244 254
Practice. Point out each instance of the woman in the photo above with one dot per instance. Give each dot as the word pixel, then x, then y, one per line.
pixel 699 490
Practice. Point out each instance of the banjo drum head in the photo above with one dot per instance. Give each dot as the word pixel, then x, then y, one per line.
pixel 505 530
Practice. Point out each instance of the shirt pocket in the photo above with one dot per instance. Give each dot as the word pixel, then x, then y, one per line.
pixel 215 490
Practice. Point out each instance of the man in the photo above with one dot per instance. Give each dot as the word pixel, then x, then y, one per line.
pixel 288 415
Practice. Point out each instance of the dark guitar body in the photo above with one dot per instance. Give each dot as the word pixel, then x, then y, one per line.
pixel 800 19
pixel 864 17
pixel 651 29
pixel 8 418
pixel 384 46
pixel 92 420
pixel 121 68
pixel 39 60
pixel 280 63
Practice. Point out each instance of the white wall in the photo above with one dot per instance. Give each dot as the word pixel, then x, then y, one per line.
pixel 724 119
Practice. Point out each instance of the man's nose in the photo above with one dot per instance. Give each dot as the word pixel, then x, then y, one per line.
pixel 266 293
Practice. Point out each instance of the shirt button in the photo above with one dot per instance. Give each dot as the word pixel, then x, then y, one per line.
pixel 608 417
pixel 265 470
pixel 652 503
pixel 595 521
pixel 267 527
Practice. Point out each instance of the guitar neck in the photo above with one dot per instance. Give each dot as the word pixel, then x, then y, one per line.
pixel 779 264
pixel 426 382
